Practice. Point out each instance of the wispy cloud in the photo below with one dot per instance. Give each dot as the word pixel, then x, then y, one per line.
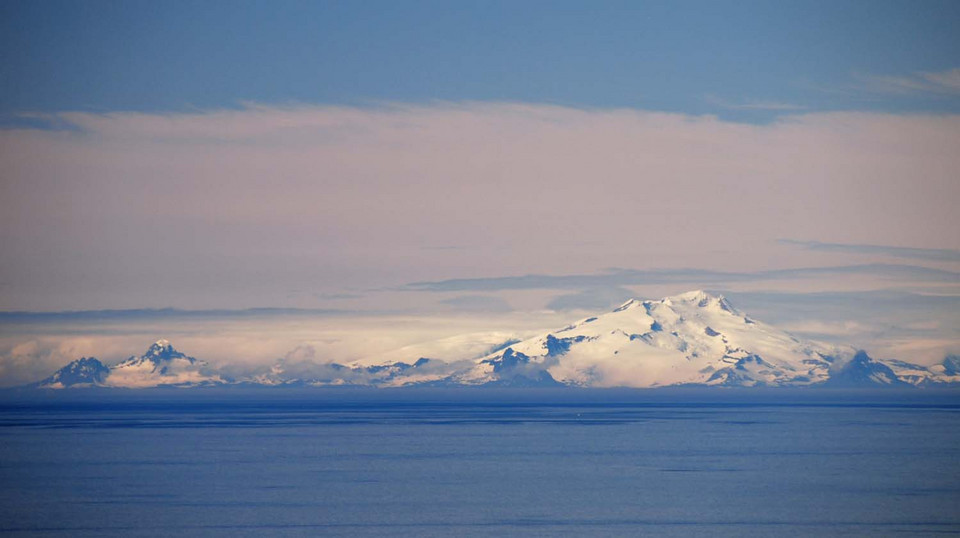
pixel 160 314
pixel 337 296
pixel 698 277
pixel 477 303
pixel 758 105
pixel 591 299
pixel 836 329
pixel 947 80
pixel 833 305
pixel 936 254
pixel 888 323
pixel 942 82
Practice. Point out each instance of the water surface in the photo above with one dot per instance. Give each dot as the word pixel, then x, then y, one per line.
pixel 479 463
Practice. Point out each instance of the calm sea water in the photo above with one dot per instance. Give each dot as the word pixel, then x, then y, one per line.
pixel 479 463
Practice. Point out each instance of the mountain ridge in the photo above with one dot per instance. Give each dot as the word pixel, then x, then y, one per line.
pixel 693 338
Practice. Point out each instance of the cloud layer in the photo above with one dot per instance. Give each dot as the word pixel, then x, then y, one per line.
pixel 936 254
pixel 284 205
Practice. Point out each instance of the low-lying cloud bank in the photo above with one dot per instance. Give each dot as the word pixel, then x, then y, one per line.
pixel 241 345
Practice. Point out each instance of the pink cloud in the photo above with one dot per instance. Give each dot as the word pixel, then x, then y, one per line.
pixel 238 207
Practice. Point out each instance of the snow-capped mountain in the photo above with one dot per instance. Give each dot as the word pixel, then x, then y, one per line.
pixel 160 365
pixel 694 338
pixel 691 338
pixel 84 372
pixel 862 371
pixel 947 371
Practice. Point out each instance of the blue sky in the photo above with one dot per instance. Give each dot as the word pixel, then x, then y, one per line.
pixel 691 57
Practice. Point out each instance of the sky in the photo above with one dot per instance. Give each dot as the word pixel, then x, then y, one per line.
pixel 439 168
pixel 743 60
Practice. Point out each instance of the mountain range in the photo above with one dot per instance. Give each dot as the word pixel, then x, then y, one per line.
pixel 691 339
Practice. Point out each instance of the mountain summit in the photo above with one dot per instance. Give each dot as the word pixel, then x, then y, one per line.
pixel 83 372
pixel 161 364
pixel 162 352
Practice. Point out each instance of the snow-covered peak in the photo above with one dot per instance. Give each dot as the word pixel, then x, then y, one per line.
pixel 161 364
pixel 692 296
pixel 699 299
pixel 160 346
pixel 162 351
pixel 694 337
pixel 86 371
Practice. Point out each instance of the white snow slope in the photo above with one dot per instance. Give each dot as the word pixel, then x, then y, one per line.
pixel 691 338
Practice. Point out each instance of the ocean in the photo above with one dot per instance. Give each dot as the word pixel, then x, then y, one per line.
pixel 475 462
